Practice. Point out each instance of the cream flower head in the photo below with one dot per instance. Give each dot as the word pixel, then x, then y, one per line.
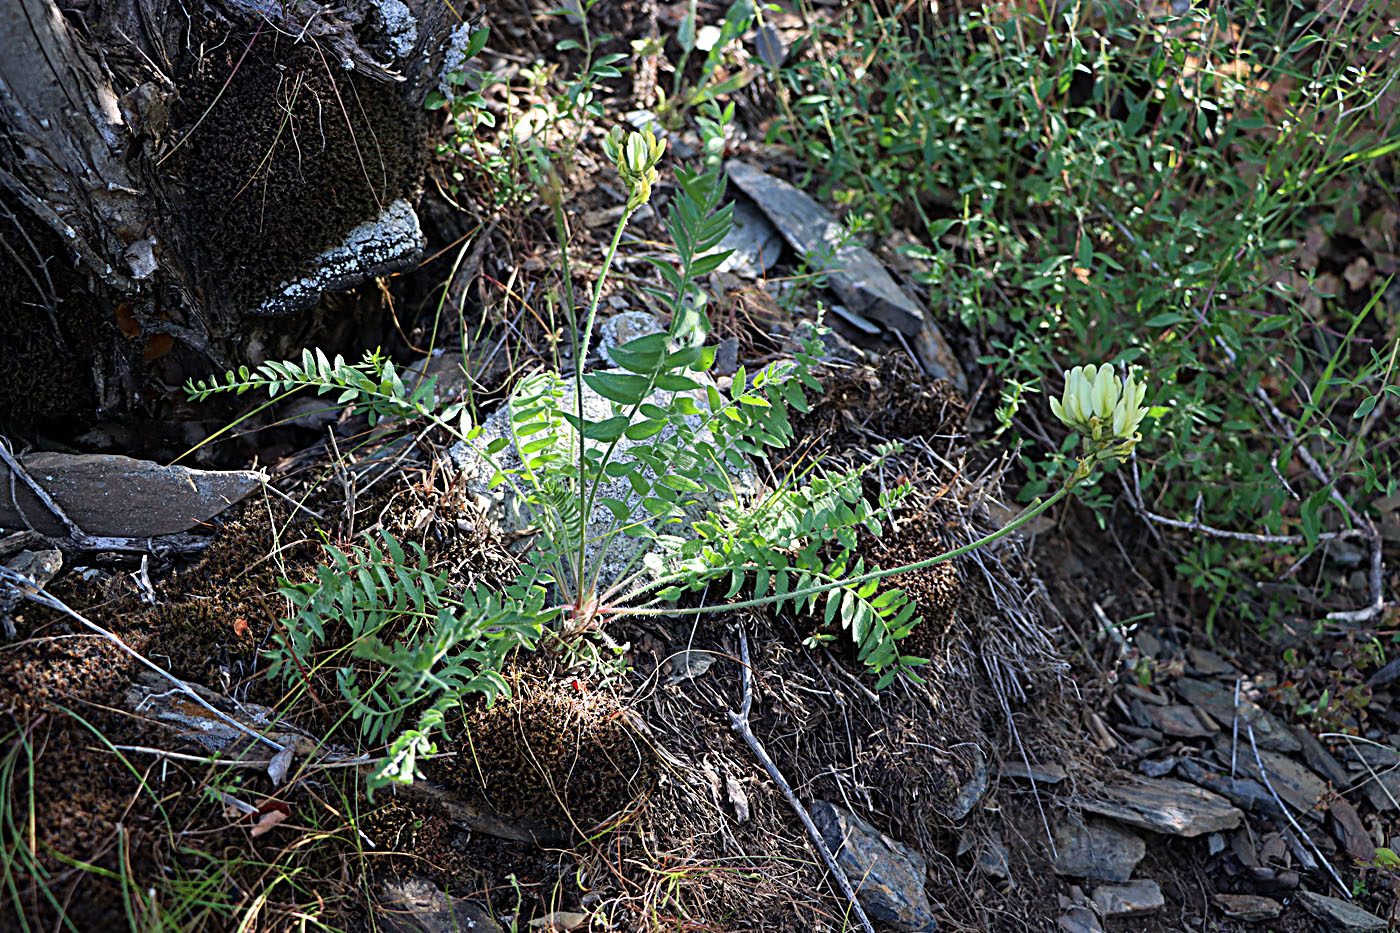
pixel 1103 409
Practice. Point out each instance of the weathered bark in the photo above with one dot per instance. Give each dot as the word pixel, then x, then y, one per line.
pixel 180 184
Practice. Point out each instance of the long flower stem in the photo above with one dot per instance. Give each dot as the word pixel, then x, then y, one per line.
pixel 582 339
pixel 1030 512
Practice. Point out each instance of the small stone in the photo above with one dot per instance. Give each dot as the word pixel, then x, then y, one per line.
pixel 972 789
pixel 888 875
pixel 1165 805
pixel 1245 794
pixel 856 275
pixel 1080 920
pixel 755 243
pixel 1157 767
pixel 114 496
pixel 1129 900
pixel 1097 849
pixel 1320 759
pixel 1347 827
pixel 1290 780
pixel 1208 663
pixel 1269 731
pixel 727 357
pixel 1048 773
pixel 417 905
pixel 1180 721
pixel 1215 844
pixel 622 329
pixel 1339 915
pixel 1250 908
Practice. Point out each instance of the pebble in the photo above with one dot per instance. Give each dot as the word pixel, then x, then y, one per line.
pixel 1250 908
pixel 1097 849
pixel 1338 915
pixel 1129 900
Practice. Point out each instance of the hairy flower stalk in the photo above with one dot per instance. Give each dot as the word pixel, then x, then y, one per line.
pixel 1104 409
pixel 635 156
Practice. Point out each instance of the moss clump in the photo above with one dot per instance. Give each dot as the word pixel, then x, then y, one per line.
pixel 46 361
pixel 285 160
pixel 557 753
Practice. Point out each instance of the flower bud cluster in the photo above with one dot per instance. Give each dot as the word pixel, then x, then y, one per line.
pixel 1103 409
pixel 636 156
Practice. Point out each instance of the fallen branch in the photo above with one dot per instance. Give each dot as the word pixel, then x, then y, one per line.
pixel 740 723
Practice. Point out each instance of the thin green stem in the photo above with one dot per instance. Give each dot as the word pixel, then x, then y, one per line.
pixel 582 339
pixel 1030 512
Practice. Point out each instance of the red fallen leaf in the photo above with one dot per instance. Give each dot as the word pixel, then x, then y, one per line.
pixel 240 626
pixel 267 821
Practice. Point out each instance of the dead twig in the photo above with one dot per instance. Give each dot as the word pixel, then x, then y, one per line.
pixel 740 723
pixel 1263 773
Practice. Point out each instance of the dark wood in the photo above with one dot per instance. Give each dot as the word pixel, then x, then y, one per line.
pixel 166 168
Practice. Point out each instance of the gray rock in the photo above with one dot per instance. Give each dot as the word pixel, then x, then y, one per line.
pixel 1294 783
pixel 972 789
pixel 1080 920
pixel 416 905
pixel 1339 915
pixel 1269 731
pixel 756 243
pixel 505 507
pixel 1320 759
pixel 1250 908
pixel 1243 793
pixel 854 273
pixel 1208 663
pixel 112 496
pixel 624 328
pixel 1097 849
pixel 1164 805
pixel 888 876
pixel 1128 900
pixel 1177 720
pixel 727 357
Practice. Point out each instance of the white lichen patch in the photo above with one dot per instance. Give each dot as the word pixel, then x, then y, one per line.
pixel 397 26
pixel 455 58
pixel 385 244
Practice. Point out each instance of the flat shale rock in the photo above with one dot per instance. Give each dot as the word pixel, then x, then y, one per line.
pixel 1129 900
pixel 1290 780
pixel 1048 773
pixel 887 875
pixel 1250 908
pixel 853 271
pixel 111 496
pixel 416 905
pixel 1177 720
pixel 1097 849
pixel 1080 920
pixel 1269 731
pixel 1164 805
pixel 1339 915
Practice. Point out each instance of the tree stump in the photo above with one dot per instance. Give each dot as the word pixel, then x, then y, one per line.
pixel 181 184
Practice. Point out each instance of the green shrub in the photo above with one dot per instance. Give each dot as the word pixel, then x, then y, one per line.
pixel 1106 186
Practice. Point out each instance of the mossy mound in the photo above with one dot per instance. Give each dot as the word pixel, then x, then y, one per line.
pixel 46 359
pixel 556 752
pixel 282 152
